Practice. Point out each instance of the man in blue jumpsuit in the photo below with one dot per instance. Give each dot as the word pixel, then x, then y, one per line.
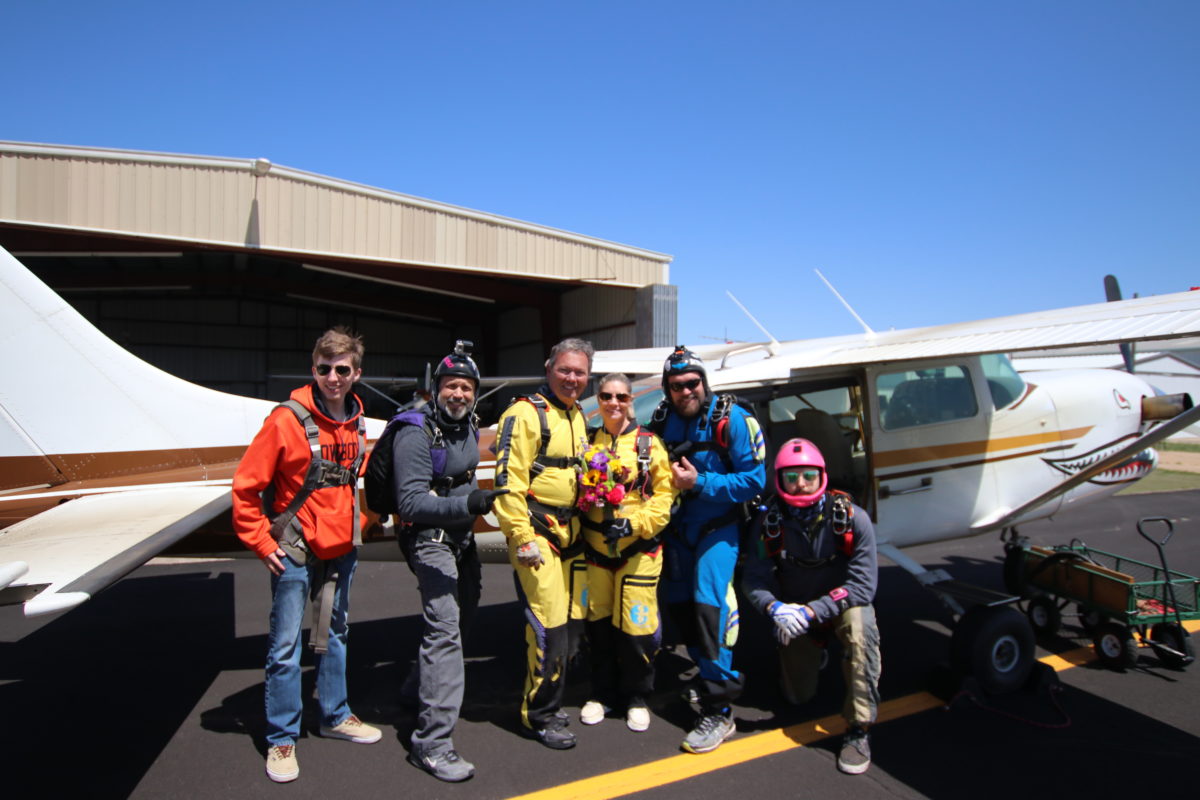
pixel 717 466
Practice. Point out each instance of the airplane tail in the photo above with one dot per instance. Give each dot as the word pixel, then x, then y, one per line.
pixel 76 405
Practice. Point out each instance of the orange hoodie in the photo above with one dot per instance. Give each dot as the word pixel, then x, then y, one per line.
pixel 279 454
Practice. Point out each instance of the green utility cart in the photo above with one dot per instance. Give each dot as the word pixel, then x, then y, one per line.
pixel 1115 597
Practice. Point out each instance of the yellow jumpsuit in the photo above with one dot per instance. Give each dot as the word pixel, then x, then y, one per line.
pixel 540 505
pixel 623 622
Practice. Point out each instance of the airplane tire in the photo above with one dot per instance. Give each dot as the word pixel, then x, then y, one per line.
pixel 1044 616
pixel 995 646
pixel 1115 646
pixel 1171 635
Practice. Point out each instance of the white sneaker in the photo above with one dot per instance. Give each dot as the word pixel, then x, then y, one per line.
pixel 637 718
pixel 593 712
pixel 353 729
pixel 282 765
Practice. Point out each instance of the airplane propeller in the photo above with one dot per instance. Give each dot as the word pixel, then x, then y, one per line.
pixel 1112 291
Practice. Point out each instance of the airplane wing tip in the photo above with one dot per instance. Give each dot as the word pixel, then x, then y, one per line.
pixel 54 602
pixel 12 570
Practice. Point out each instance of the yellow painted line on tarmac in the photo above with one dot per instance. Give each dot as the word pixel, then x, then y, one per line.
pixel 747 748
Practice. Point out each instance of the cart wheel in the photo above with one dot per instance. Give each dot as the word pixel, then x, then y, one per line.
pixel 995 645
pixel 1044 616
pixel 1115 646
pixel 1089 620
pixel 1172 636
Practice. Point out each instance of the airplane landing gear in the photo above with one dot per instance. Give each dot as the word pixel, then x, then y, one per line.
pixel 995 646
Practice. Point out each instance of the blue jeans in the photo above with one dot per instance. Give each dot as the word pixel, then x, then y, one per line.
pixel 289 601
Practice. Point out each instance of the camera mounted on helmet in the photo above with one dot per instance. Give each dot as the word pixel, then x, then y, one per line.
pixel 458 363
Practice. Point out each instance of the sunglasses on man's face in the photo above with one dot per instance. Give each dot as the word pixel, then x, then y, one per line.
pixel 621 397
pixel 808 475
pixel 343 370
pixel 680 386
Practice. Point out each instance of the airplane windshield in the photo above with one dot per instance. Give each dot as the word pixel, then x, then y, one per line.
pixel 1004 382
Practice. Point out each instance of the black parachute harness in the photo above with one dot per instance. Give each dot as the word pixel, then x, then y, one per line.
pixel 322 474
pixel 841 515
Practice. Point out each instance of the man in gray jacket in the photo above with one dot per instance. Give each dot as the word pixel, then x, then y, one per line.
pixel 438 499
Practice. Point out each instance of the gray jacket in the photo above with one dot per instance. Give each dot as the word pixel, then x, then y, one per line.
pixel 806 571
pixel 413 473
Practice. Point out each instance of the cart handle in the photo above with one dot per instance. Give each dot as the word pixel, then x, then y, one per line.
pixel 1147 537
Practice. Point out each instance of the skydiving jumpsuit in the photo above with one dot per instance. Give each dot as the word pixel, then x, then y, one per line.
pixel 440 548
pixel 809 567
pixel 540 506
pixel 623 620
pixel 702 543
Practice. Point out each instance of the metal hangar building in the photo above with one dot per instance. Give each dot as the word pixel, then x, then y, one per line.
pixel 223 271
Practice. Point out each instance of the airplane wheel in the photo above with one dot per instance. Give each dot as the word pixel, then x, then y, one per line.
pixel 1171 635
pixel 1044 616
pixel 995 645
pixel 1115 646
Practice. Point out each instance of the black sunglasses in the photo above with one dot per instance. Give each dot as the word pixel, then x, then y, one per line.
pixel 342 369
pixel 682 385
pixel 621 397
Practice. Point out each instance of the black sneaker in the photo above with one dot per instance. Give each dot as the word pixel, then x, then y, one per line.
pixel 554 735
pixel 447 766
pixel 855 756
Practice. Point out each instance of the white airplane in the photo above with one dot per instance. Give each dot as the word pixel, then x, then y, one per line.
pixel 105 460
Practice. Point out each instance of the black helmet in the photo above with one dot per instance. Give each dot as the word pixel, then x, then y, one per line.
pixel 458 363
pixel 682 361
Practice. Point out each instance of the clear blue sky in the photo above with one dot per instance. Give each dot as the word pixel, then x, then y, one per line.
pixel 938 161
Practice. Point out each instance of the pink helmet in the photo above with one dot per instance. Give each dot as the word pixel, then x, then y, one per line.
pixel 797 454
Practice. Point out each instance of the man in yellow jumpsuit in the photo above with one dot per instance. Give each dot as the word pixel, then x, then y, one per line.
pixel 539 439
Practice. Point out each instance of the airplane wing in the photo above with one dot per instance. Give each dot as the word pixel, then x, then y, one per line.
pixel 1170 316
pixel 58 559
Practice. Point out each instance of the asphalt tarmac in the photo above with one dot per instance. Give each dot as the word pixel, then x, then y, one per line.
pixel 154 689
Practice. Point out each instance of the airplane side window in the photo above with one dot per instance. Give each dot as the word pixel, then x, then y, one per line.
pixel 1004 382
pixel 925 397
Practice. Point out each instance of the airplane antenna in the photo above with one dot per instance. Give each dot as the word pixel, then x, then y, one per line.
pixel 773 346
pixel 838 295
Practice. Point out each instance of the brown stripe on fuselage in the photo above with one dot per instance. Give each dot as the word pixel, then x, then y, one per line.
pixel 66 471
pixel 916 455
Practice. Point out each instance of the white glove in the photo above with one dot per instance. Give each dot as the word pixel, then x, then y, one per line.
pixel 530 555
pixel 782 636
pixel 790 618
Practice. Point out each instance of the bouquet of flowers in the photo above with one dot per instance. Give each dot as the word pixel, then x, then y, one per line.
pixel 601 478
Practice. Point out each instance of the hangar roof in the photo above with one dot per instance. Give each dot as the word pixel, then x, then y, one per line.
pixel 257 205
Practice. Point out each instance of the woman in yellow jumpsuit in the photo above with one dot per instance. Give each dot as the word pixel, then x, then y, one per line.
pixel 628 504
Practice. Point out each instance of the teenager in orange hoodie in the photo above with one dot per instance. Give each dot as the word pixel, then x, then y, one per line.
pixel 321 550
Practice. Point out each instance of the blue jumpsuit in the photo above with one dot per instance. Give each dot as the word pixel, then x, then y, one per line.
pixel 702 543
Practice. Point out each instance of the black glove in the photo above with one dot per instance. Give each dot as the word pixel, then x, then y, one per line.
pixel 615 529
pixel 479 501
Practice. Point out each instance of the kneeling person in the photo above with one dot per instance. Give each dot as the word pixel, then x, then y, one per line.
pixel 814 570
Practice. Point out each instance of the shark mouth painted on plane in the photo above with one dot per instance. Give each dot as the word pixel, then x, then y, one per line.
pixel 1131 469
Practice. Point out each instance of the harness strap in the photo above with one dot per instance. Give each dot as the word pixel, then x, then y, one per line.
pixel 594 556
pixel 324 582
